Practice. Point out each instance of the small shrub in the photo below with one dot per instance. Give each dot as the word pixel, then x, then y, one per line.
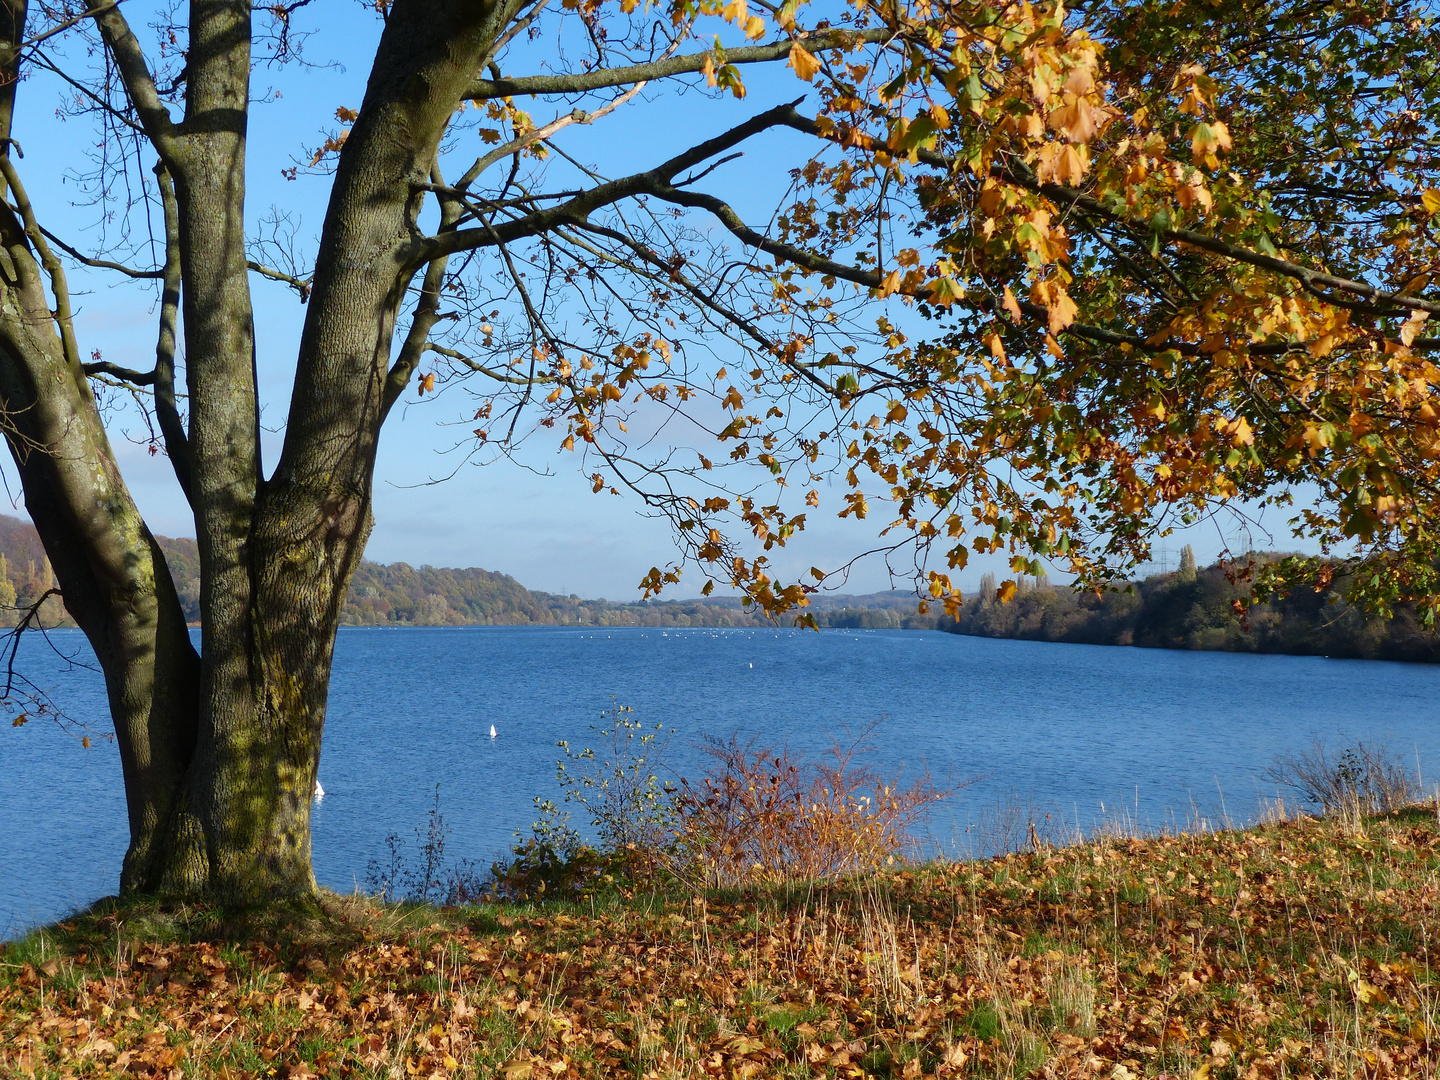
pixel 551 862
pixel 1364 778
pixel 627 804
pixel 431 880
pixel 629 807
pixel 765 816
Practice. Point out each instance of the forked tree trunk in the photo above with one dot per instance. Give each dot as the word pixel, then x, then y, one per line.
pixel 221 750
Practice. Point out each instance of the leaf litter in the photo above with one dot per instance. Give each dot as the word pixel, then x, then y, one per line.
pixel 1295 949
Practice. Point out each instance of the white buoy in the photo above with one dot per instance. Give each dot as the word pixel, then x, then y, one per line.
pixel 319 791
pixel 492 731
pixel 752 665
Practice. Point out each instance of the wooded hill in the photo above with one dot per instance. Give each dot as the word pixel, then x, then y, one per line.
pixel 403 595
pixel 1196 610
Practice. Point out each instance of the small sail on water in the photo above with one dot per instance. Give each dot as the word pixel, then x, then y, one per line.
pixel 319 791
pixel 492 731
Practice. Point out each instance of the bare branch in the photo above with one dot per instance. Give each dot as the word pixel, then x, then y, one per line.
pixel 485 369
pixel 300 285
pixel 115 371
pixel 579 116
pixel 100 264
pixel 61 27
pixel 427 308
pixel 576 210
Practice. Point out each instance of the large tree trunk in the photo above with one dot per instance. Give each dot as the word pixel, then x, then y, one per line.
pixel 221 751
pixel 313 516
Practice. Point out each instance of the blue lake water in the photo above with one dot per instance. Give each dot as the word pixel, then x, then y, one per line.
pixel 1081 731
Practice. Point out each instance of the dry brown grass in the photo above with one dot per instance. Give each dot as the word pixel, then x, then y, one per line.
pixel 1296 949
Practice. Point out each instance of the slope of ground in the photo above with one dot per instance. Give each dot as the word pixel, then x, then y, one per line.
pixel 1292 950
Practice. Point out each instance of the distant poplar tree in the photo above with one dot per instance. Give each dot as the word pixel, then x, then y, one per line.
pixel 1187 563
pixel 987 589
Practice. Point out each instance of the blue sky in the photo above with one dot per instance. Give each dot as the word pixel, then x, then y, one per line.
pixel 549 531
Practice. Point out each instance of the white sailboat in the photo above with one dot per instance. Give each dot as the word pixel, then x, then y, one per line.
pixel 492 731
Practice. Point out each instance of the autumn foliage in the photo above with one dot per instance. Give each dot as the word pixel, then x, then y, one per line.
pixel 757 816
pixel 765 816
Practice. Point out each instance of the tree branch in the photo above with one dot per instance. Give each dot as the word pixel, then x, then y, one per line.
pixel 427 308
pixel 1380 299
pixel 100 264
pixel 139 83
pixel 300 285
pixel 483 369
pixel 177 443
pixel 59 287
pixel 537 85
pixel 576 210
pixel 115 371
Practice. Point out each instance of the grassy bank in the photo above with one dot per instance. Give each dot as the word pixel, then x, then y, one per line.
pixel 1293 949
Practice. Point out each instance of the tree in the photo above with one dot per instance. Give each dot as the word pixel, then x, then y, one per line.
pixel 220 748
pixel 1187 563
pixel 1076 298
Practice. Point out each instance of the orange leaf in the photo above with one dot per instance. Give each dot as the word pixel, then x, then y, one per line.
pixel 805 65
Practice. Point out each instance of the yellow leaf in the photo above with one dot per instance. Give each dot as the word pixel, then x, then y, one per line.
pixel 1077 120
pixel 1206 140
pixel 1061 309
pixel 944 291
pixel 1430 198
pixel 754 27
pixel 804 64
pixel 1411 326
pixel 1370 994
pixel 1011 305
pixel 1006 592
pixel 737 12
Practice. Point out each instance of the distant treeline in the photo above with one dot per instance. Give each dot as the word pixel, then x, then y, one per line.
pixel 404 595
pixel 1193 609
pixel 1183 610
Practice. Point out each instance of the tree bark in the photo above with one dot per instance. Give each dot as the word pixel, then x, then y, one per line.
pixel 112 574
pixel 221 750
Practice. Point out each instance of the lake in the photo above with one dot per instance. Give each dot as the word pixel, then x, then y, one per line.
pixel 1086 733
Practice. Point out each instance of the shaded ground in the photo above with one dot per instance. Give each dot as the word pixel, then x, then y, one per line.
pixel 1291 950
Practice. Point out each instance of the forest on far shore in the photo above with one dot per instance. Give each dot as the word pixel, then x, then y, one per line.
pixel 1196 609
pixel 1188 609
